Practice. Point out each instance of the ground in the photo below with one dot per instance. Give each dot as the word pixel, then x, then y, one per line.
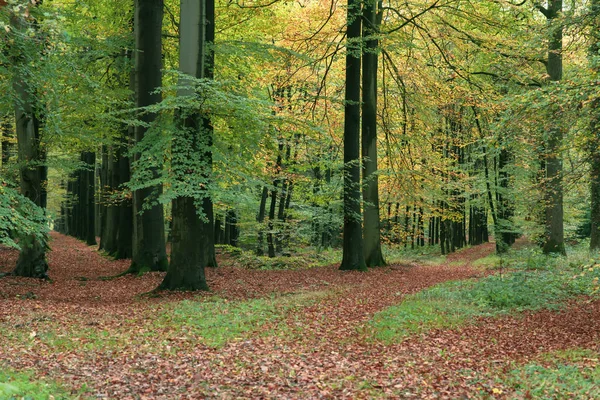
pixel 311 339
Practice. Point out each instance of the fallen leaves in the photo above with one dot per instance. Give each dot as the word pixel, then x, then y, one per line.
pixel 87 331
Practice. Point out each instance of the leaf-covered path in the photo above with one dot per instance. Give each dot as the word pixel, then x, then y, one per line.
pixel 83 330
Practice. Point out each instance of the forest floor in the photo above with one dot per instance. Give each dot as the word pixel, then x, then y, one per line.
pixel 267 334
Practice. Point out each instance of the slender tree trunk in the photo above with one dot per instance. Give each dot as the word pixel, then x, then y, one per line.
pixel 89 158
pixel 149 251
pixel 371 226
pixel 207 203
pixel 7 141
pixel 260 218
pixel 594 147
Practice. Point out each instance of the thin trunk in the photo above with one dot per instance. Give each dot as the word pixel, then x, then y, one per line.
pixel 260 218
pixel 594 145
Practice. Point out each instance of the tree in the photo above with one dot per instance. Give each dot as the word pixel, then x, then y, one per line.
pixel 371 228
pixel 190 141
pixel 594 143
pixel 553 191
pixel 149 251
pixel 31 153
pixel 353 257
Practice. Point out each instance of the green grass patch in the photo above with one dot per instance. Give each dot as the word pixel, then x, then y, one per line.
pixel 454 303
pixel 304 260
pixel 219 321
pixel 571 374
pixel 21 385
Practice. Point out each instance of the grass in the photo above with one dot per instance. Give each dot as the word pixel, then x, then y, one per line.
pixel 572 373
pixel 535 282
pixel 179 325
pixel 220 321
pixel 23 386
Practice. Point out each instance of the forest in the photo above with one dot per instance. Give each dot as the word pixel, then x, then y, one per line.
pixel 299 199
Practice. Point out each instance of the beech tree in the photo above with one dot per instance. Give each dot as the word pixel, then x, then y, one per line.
pixel 192 231
pixel 594 126
pixel 353 257
pixel 553 190
pixel 149 251
pixel 371 229
pixel 31 153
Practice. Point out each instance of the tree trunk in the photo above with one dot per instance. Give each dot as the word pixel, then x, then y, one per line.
pixel 371 225
pixel 353 256
pixel 553 190
pixel 594 147
pixel 188 258
pixel 32 258
pixel 149 252
pixel 89 158
pixel 260 218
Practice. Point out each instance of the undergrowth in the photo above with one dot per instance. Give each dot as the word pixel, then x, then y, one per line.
pixel 23 386
pixel 567 374
pixel 532 282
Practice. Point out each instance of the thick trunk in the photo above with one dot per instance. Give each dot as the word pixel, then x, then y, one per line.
pixel 371 225
pixel 353 256
pixel 553 191
pixel 32 258
pixel 149 252
pixel 192 243
pixel 186 271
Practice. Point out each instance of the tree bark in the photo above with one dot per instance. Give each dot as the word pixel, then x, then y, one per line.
pixel 149 251
pixel 372 223
pixel 32 172
pixel 594 146
pixel 188 258
pixel 353 256
pixel 553 190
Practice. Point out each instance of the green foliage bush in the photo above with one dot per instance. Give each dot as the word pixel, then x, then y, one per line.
pixel 20 217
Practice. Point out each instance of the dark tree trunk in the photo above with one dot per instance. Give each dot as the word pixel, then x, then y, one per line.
pixel 125 232
pixel 89 158
pixel 371 225
pixel 33 172
pixel 149 251
pixel 186 271
pixel 353 257
pixel 260 218
pixel 7 141
pixel 112 222
pixel 553 190
pixel 207 203
pixel 188 258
